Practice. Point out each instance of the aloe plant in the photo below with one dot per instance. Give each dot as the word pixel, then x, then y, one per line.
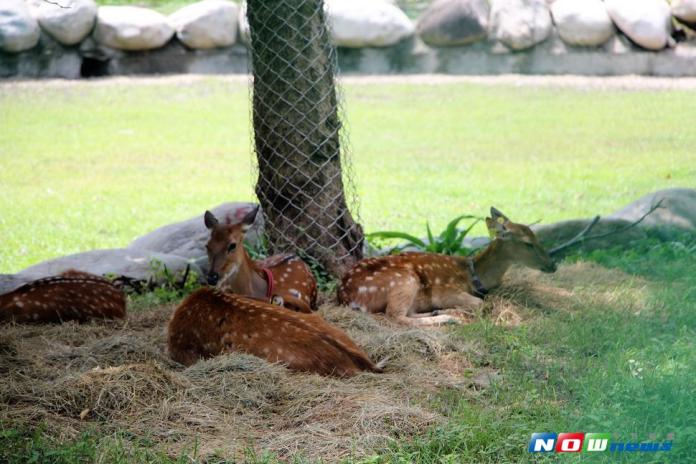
pixel 448 242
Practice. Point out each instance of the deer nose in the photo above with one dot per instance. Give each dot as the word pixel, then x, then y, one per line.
pixel 213 278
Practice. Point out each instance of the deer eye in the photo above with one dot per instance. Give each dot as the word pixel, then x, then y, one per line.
pixel 231 247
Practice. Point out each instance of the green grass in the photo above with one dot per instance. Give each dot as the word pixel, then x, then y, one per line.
pixel 94 166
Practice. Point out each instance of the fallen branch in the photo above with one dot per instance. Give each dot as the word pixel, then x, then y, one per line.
pixel 583 237
pixel 57 4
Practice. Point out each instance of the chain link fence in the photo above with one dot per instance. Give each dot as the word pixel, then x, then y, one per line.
pixel 305 178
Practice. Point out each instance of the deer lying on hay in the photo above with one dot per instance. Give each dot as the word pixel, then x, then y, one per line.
pixel 210 322
pixel 72 295
pixel 284 280
pixel 410 287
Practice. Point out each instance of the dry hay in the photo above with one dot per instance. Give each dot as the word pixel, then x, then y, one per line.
pixel 117 376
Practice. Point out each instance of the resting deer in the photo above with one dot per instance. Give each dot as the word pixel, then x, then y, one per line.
pixel 73 295
pixel 210 322
pixel 410 287
pixel 284 280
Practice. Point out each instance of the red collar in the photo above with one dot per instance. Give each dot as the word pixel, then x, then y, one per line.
pixel 269 281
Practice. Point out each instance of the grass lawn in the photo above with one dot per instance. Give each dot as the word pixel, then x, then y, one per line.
pixel 94 165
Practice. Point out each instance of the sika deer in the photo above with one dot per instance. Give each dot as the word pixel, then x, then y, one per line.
pixel 73 295
pixel 210 322
pixel 410 286
pixel 284 280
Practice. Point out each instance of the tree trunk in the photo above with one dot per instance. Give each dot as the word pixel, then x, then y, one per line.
pixel 296 132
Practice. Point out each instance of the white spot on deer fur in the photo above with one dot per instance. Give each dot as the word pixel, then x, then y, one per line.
pixel 362 289
pixel 372 289
pixel 437 280
pixel 391 284
pixel 20 304
pixel 279 350
pixel 266 350
pixel 369 278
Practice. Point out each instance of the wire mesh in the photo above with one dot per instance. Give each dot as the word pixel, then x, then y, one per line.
pixel 304 175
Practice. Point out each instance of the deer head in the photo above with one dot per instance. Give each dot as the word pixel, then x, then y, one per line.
pixel 518 244
pixel 225 247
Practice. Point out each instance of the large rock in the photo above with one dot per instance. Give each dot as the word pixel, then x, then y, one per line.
pixel 206 24
pixel 678 209
pixel 367 23
pixel 47 59
pixel 134 264
pixel 582 22
pixel 454 22
pixel 9 282
pixel 69 22
pixel 19 31
pixel 684 10
pixel 645 22
pixel 131 28
pixel 188 238
pixel 243 23
pixel 520 24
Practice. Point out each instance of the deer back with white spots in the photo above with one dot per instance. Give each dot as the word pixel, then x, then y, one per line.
pixel 284 280
pixel 211 322
pixel 415 288
pixel 73 295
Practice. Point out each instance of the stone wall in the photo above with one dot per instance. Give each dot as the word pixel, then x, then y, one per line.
pixel 75 38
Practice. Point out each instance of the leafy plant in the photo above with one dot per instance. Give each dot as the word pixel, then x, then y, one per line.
pixel 164 286
pixel 448 242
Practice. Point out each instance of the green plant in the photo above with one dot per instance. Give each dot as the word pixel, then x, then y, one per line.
pixel 164 286
pixel 448 242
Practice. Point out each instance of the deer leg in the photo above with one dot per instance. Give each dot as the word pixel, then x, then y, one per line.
pixel 402 306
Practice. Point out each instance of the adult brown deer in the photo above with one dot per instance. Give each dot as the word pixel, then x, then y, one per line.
pixel 73 295
pixel 410 287
pixel 210 322
pixel 284 280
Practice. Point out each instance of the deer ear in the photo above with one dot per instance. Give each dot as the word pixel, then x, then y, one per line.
pixel 496 229
pixel 210 220
pixel 249 219
pixel 498 217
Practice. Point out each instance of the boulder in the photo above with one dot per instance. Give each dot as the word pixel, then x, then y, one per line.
pixel 243 23
pixel 9 282
pixel 188 238
pixel 206 24
pixel 131 28
pixel 685 10
pixel 520 24
pixel 582 22
pixel 367 23
pixel 70 23
pixel 120 262
pixel 454 22
pixel 47 59
pixel 678 209
pixel 645 22
pixel 19 31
